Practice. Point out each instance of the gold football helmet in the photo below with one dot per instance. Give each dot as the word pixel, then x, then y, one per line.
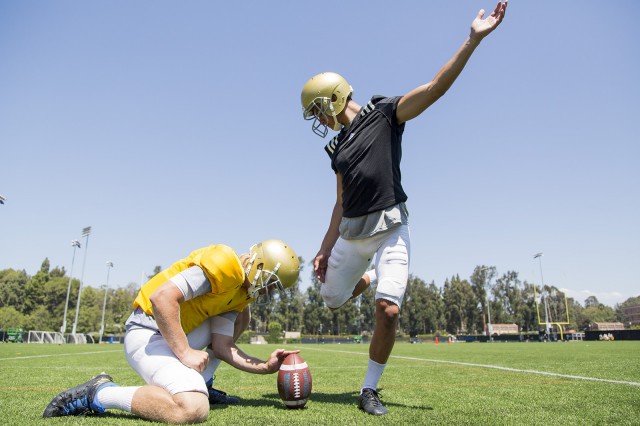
pixel 324 95
pixel 272 264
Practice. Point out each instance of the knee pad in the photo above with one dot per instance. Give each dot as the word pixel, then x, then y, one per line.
pixel 391 290
pixel 333 298
pixel 175 380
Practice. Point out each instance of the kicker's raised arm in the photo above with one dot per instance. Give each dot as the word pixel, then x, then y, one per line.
pixel 422 97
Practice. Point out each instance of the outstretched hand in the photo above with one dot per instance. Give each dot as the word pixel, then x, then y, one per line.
pixel 277 358
pixel 481 28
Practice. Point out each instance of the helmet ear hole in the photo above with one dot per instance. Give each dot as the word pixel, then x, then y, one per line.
pixel 334 97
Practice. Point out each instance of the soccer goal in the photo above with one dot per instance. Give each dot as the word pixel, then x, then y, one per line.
pixel 79 338
pixel 44 337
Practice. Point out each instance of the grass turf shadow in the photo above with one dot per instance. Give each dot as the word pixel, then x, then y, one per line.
pixel 345 398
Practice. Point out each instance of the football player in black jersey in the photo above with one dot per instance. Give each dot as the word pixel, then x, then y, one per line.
pixel 370 218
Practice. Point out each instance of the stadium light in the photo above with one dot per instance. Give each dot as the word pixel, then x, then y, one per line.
pixel 487 284
pixel 104 303
pixel 76 245
pixel 544 295
pixel 85 233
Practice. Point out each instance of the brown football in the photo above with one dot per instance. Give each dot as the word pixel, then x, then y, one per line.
pixel 294 381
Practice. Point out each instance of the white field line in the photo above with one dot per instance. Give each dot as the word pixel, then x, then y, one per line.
pixel 52 355
pixel 495 367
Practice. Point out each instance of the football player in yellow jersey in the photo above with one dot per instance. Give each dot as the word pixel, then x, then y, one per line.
pixel 201 301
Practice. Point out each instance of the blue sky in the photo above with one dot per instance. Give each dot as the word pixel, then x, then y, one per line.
pixel 168 126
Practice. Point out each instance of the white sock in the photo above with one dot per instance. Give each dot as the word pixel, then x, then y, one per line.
pixel 374 372
pixel 119 397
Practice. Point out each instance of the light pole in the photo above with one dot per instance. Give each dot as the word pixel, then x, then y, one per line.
pixel 104 303
pixel 488 286
pixel 85 233
pixel 75 244
pixel 544 295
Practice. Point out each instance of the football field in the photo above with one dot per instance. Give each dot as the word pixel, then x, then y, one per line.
pixel 572 383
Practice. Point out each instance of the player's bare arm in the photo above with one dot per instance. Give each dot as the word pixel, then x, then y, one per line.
pixel 225 349
pixel 166 310
pixel 419 99
pixel 241 323
pixel 321 260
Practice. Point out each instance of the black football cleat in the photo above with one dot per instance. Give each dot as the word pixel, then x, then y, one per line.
pixel 369 402
pixel 77 401
pixel 219 397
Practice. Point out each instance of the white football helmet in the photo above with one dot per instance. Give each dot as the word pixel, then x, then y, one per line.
pixel 272 264
pixel 324 95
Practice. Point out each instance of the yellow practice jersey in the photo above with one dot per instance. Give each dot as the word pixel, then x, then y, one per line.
pixel 224 271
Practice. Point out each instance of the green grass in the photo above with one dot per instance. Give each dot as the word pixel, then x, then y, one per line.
pixel 423 384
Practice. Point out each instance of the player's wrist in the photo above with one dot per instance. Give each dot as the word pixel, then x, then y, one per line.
pixel 474 39
pixel 267 368
pixel 182 353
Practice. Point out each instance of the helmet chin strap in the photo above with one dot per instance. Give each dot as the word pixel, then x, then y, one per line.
pixel 319 124
pixel 337 126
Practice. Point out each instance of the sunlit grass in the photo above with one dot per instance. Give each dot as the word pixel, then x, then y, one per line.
pixel 423 384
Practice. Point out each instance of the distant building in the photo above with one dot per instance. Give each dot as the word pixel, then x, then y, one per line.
pixel 632 314
pixel 498 329
pixel 258 340
pixel 607 326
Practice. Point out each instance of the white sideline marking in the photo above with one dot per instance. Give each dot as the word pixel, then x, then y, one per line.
pixel 47 356
pixel 495 367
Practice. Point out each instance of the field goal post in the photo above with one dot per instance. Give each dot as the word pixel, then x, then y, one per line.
pixel 44 337
pixel 550 322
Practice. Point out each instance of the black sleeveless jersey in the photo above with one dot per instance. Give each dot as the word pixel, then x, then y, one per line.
pixel 368 155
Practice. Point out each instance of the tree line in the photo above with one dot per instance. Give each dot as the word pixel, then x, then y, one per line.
pixel 460 306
